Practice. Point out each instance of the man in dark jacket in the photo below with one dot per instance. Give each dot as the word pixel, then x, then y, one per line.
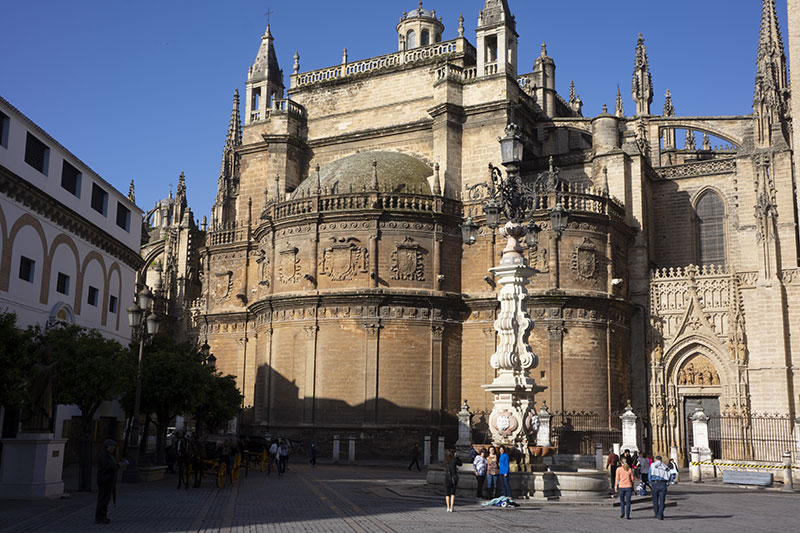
pixel 107 467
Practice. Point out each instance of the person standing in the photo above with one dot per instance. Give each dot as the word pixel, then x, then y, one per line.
pixel 626 458
pixel 612 463
pixel 623 484
pixel 503 464
pixel 283 451
pixel 313 461
pixel 479 464
pixel 414 457
pixel 492 473
pixel 673 472
pixel 451 464
pixel 107 467
pixel 659 479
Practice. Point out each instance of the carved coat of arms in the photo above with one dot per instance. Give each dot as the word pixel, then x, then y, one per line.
pixel 223 283
pixel 584 259
pixel 343 259
pixel 407 263
pixel 289 265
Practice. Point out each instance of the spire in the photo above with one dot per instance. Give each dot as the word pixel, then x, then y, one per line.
pixel 265 66
pixel 437 184
pixel 770 103
pixel 131 193
pixel 461 25
pixel 669 109
pixel 642 87
pixel 618 110
pixel 575 102
pixel 496 12
pixel 235 125
pixel 180 192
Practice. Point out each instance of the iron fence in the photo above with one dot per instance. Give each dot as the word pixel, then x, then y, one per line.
pixel 576 432
pixel 761 438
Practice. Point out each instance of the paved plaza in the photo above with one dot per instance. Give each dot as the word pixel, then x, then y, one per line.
pixel 384 499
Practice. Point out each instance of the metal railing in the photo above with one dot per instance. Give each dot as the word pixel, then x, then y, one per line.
pixel 759 438
pixel 577 432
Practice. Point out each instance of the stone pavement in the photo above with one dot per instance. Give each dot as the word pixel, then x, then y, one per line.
pixel 383 499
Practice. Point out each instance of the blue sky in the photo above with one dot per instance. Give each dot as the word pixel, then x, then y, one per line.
pixel 143 89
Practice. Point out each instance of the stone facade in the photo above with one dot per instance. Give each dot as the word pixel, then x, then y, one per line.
pixel 336 287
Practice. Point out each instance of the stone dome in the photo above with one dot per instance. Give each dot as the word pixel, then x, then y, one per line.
pixel 397 172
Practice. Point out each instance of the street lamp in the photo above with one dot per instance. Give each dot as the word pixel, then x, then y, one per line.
pixel 558 218
pixel 141 330
pixel 208 357
pixel 469 231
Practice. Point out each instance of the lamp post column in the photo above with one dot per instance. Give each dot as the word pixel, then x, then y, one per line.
pixel 131 473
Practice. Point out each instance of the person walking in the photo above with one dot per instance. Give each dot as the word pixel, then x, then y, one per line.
pixel 492 473
pixel 644 469
pixel 415 457
pixel 451 464
pixel 107 467
pixel 313 461
pixel 504 470
pixel 659 479
pixel 273 456
pixel 479 465
pixel 283 457
pixel 612 463
pixel 623 484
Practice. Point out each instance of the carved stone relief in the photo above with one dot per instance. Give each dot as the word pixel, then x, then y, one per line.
pixel 289 265
pixel 584 260
pixel 698 371
pixel 537 258
pixel 407 261
pixel 223 283
pixel 263 268
pixel 343 259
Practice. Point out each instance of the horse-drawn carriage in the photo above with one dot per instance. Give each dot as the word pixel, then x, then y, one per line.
pixel 215 456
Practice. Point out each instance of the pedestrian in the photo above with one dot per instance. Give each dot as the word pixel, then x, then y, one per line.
pixel 283 459
pixel 273 456
pixel 504 470
pixel 673 472
pixel 414 457
pixel 313 461
pixel 492 473
pixel 626 457
pixel 107 467
pixel 612 463
pixel 479 465
pixel 659 478
pixel 623 484
pixel 644 469
pixel 451 464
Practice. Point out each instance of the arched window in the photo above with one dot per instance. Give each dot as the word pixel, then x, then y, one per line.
pixel 411 39
pixel 426 38
pixel 710 229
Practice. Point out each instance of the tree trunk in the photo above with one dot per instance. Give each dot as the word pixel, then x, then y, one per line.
pixel 85 455
pixel 161 438
pixel 145 436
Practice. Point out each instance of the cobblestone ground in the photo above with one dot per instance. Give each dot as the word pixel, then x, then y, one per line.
pixel 363 499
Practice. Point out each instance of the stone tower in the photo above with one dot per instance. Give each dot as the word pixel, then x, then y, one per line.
pixel 264 81
pixel 642 88
pixel 496 37
pixel 417 28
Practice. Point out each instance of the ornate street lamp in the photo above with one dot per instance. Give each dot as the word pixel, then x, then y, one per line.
pixel 143 330
pixel 469 231
pixel 558 218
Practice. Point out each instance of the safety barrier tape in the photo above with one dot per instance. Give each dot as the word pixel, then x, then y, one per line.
pixel 744 465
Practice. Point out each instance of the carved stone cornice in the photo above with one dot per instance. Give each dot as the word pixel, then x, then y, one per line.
pixel 30 196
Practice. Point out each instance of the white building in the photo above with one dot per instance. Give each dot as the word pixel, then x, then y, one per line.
pixel 69 241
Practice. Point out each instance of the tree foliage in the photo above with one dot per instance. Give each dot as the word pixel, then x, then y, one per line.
pixel 17 357
pixel 221 401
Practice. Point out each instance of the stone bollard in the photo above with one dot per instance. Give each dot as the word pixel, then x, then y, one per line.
pixel 630 434
pixel 787 470
pixel 351 450
pixel 426 451
pixel 694 467
pixel 440 450
pixel 598 456
pixel 335 449
pixel 543 435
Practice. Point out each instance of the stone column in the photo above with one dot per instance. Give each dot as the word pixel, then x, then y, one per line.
pixel 440 450
pixel 310 381
pixel 598 456
pixel 694 466
pixel 437 332
pixel 629 433
pixel 797 436
pixel 464 442
pixel 787 470
pixel 351 450
pixel 371 342
pixel 700 432
pixel 543 435
pixel 335 449
pixel 426 451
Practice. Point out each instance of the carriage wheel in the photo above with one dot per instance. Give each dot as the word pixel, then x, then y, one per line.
pixel 221 470
pixel 264 459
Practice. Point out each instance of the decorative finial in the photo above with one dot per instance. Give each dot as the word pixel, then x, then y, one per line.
pixel 605 109
pixel 461 25
pixel 344 56
pixel 319 182
pixel 296 62
pixel 552 167
pixel 544 49
pixel 131 193
pixel 669 108
pixel 619 111
pixel 605 181
pixel 374 175
pixel 437 186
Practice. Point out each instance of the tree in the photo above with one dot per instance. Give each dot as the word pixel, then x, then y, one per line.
pixel 172 378
pixel 91 369
pixel 16 359
pixel 221 400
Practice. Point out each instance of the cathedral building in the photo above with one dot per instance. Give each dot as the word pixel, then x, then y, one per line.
pixel 333 281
